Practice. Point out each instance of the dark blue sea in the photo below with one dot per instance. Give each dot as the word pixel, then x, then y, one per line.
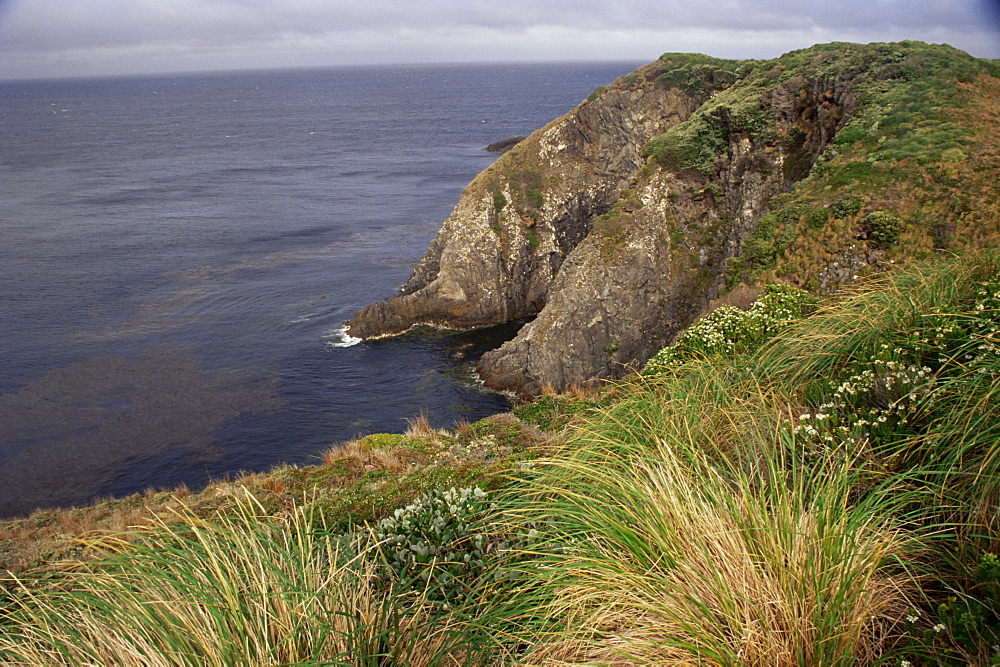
pixel 178 255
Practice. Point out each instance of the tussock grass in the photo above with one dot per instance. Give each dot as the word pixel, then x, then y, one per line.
pixel 420 427
pixel 242 589
pixel 376 457
pixel 684 530
pixel 943 316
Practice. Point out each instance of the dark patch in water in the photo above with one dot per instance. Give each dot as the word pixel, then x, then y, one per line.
pixel 70 430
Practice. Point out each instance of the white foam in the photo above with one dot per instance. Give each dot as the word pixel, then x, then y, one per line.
pixel 340 338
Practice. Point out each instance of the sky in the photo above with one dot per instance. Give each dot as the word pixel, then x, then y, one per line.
pixel 71 38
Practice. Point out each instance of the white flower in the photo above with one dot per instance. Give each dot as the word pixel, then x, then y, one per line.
pixel 938 628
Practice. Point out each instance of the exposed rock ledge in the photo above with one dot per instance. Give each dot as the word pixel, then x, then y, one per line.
pixel 504 145
pixel 616 243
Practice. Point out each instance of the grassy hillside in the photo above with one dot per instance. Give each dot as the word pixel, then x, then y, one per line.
pixel 889 152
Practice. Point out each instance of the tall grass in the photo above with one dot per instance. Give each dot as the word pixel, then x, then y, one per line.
pixel 830 499
pixel 664 550
pixel 943 317
pixel 243 589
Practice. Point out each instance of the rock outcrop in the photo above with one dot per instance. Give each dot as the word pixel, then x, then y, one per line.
pixel 496 256
pixel 617 223
pixel 504 145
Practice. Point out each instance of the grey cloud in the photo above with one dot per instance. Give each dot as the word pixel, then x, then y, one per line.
pixel 323 31
pixel 72 23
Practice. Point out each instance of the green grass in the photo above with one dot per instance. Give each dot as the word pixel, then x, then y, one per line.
pixel 665 549
pixel 827 499
pixel 243 589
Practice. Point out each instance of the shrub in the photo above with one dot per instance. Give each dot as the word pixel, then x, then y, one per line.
pixel 968 619
pixel 845 208
pixel 728 330
pixel 850 134
pixel 883 228
pixel 818 218
pixel 437 545
pixel 499 201
pixel 597 93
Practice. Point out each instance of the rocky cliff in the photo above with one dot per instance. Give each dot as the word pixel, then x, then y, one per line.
pixel 618 223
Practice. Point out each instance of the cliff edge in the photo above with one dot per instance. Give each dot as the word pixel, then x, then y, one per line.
pixel 617 224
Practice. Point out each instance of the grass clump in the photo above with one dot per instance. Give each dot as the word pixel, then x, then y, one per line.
pixel 683 531
pixel 241 589
pixel 499 201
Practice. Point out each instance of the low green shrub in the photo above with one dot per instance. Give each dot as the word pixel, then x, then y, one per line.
pixel 969 618
pixel 883 228
pixel 437 545
pixel 845 208
pixel 818 218
pixel 597 93
pixel 729 330
pixel 850 134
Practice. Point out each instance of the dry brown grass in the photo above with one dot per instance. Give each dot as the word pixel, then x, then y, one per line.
pixel 742 297
pixel 585 392
pixel 373 457
pixel 420 427
pixel 52 534
pixel 462 428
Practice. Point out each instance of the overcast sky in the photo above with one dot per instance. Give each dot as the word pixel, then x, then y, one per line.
pixel 44 38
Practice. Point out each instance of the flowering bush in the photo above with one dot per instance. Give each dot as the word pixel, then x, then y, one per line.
pixel 729 330
pixel 969 619
pixel 437 543
pixel 884 399
pixel 964 337
pixel 891 396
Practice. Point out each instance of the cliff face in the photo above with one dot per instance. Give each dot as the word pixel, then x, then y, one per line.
pixel 619 222
pixel 496 256
pixel 645 271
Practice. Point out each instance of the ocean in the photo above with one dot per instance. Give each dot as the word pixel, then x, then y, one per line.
pixel 179 255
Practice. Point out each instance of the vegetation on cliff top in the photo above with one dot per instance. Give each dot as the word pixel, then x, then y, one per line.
pixel 906 129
